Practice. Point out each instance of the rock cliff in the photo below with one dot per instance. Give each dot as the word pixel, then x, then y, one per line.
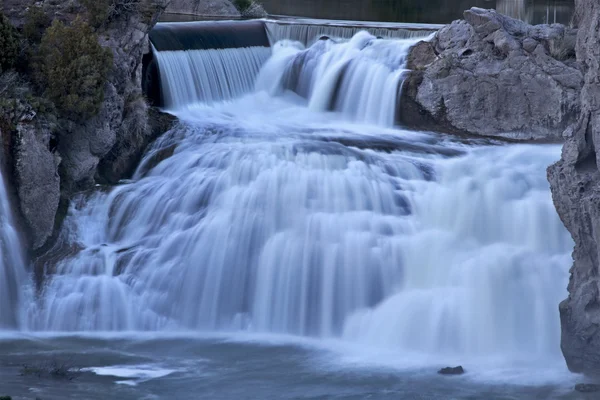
pixel 493 75
pixel 104 148
pixel 212 8
pixel 575 183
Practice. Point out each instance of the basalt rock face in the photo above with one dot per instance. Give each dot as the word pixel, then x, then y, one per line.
pixel 493 75
pixel 37 180
pixel 99 149
pixel 123 119
pixel 575 183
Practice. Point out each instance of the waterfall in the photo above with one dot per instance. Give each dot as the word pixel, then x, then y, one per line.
pixel 360 78
pixel 308 32
pixel 13 276
pixel 291 232
pixel 207 76
pixel 275 211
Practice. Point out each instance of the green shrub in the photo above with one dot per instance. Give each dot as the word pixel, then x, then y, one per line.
pixel 36 22
pixel 9 44
pixel 73 68
pixel 101 12
pixel 242 5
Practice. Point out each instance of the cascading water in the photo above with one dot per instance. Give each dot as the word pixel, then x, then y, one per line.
pixel 208 76
pixel 360 78
pixel 13 276
pixel 263 214
pixel 310 31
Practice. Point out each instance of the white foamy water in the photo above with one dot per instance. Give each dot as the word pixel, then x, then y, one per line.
pixel 208 76
pixel 361 78
pixel 300 210
pixel 291 231
pixel 13 276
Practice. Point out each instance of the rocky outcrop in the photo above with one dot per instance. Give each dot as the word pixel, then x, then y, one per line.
pixel 255 10
pixel 101 148
pixel 37 180
pixel 575 183
pixel 123 118
pixel 495 76
pixel 211 8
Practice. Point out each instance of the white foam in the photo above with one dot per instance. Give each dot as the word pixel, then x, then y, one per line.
pixel 134 374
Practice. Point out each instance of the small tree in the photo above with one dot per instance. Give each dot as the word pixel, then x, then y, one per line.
pixel 73 68
pixel 36 22
pixel 9 44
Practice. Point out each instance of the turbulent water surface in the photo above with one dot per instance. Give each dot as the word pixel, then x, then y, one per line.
pixel 287 240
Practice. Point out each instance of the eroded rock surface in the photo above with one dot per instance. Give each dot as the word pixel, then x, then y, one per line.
pixel 493 75
pixel 575 183
pixel 37 180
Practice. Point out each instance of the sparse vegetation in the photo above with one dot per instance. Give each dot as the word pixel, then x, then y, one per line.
pixel 102 12
pixel 9 44
pixel 242 5
pixel 73 68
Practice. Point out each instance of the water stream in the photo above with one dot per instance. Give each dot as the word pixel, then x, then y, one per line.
pixel 286 206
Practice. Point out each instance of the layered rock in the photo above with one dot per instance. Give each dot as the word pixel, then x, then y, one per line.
pixel 575 183
pixel 493 75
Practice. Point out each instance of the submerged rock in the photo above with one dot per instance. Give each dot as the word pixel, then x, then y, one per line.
pixel 452 371
pixel 575 184
pixel 587 388
pixel 495 76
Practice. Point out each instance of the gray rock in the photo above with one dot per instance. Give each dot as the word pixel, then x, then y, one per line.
pixel 37 181
pixel 587 388
pixel 256 10
pixel 493 76
pixel 452 371
pixel 213 8
pixel 575 184
pixel 121 127
pixel 421 56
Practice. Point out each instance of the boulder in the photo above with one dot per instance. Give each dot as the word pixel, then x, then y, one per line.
pixel 452 371
pixel 575 184
pixel 492 75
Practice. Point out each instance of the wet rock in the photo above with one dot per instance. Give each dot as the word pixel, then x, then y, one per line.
pixel 587 388
pixel 123 162
pixel 493 75
pixel 575 184
pixel 37 181
pixel 421 55
pixel 452 371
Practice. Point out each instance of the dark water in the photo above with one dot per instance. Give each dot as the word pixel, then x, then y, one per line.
pixel 221 368
pixel 425 11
